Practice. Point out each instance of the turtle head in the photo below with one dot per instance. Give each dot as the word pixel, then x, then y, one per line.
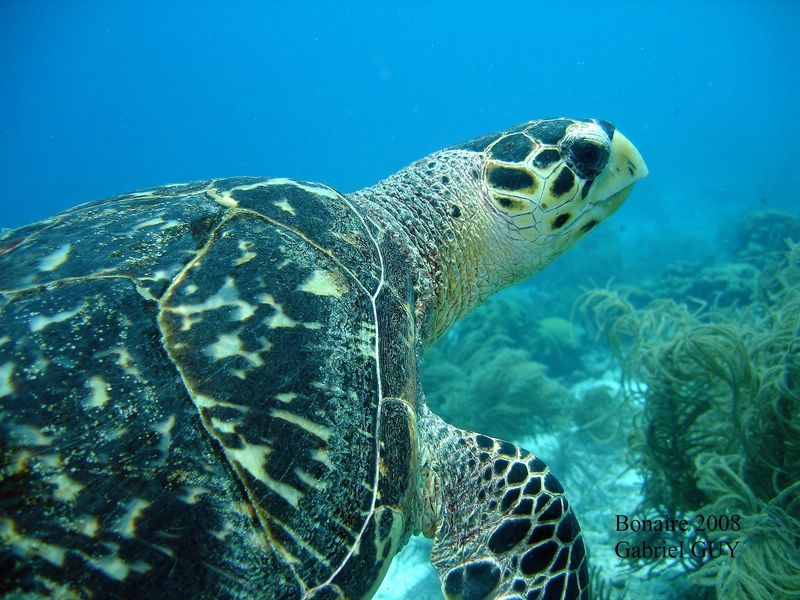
pixel 485 214
pixel 549 182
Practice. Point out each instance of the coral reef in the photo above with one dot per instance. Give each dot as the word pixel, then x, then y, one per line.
pixel 760 237
pixel 685 385
pixel 729 284
pixel 487 374
pixel 502 392
pixel 597 417
pixel 719 428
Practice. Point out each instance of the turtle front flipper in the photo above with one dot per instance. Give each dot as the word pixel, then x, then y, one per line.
pixel 501 524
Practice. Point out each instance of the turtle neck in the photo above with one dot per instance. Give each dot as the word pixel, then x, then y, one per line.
pixel 434 208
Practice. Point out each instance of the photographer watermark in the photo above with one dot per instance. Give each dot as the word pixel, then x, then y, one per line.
pixel 699 545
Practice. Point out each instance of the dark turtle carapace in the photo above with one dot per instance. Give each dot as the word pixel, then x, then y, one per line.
pixel 210 390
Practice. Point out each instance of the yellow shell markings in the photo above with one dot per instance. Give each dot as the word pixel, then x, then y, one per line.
pixel 252 458
pixel 39 322
pixel 193 493
pixel 19 462
pixel 249 457
pixel 88 525
pixel 48 223
pixel 98 392
pixel 6 383
pixel 280 318
pixel 144 193
pixel 203 401
pixel 221 534
pixel 26 546
pixel 225 198
pixel 321 455
pixel 309 479
pixel 165 431
pixel 328 253
pixel 284 205
pixel 60 256
pixel 67 489
pixel 124 361
pixel 317 189
pixel 218 425
pixel 161 274
pixel 325 283
pixel 354 548
pixel 30 435
pixel 367 339
pixel 126 525
pixel 99 275
pixel 321 431
pixel 347 238
pixel 113 566
pixel 230 344
pixel 285 397
pixel 55 259
pixel 298 539
pixel 227 295
pixel 392 539
pixel 152 222
pixel 247 254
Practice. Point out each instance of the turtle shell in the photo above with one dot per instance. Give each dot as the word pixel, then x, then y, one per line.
pixel 206 390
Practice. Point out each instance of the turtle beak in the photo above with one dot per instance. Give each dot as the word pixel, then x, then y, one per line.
pixel 625 167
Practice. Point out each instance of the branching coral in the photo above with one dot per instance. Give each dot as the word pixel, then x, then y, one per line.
pixel 761 236
pixel 597 417
pixel 487 374
pixel 719 426
pixel 767 562
pixel 502 392
pixel 729 284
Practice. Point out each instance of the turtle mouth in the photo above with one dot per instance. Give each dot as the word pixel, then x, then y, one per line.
pixel 615 200
pixel 624 168
pixel 600 211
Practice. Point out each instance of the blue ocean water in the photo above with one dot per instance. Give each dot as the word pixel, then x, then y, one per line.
pixel 101 98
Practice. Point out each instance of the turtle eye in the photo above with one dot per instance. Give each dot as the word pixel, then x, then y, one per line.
pixel 586 157
pixel 588 154
pixel 589 157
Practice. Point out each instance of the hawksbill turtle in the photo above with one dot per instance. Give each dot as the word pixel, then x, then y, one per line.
pixel 210 389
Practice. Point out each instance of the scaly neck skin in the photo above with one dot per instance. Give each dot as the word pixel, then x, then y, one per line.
pixel 435 208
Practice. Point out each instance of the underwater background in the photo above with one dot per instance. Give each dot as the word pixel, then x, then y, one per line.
pixel 655 368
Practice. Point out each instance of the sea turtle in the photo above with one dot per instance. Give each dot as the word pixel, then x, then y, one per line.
pixel 210 389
